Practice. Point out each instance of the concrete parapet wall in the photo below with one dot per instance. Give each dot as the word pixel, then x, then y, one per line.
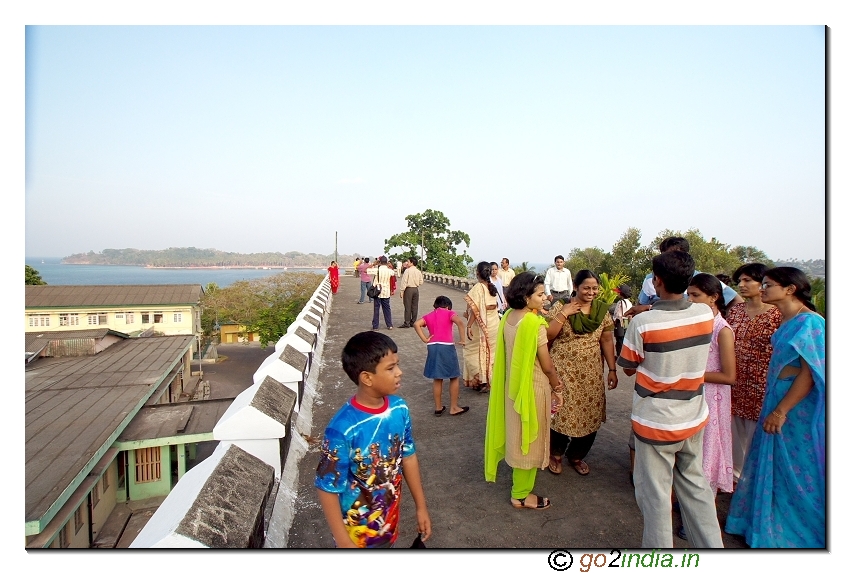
pixel 230 499
pixel 460 283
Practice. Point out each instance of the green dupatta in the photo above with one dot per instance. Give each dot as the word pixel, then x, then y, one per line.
pixel 585 323
pixel 520 390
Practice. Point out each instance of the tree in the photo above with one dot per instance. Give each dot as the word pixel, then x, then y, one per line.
pixel 33 277
pixel 591 258
pixel 751 255
pixel 431 232
pixel 523 268
pixel 709 256
pixel 629 259
pixel 266 306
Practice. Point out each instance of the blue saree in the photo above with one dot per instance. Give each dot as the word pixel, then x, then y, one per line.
pixel 780 500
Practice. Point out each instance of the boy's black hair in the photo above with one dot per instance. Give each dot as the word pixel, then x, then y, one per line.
pixel 674 269
pixel 674 243
pixel 522 286
pixel 363 351
pixel 443 302
pixel 413 261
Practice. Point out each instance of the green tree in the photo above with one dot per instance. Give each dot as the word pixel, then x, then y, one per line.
pixel 710 256
pixel 523 268
pixel 751 255
pixel 431 232
pixel 33 277
pixel 591 258
pixel 266 306
pixel 629 259
pixel 818 294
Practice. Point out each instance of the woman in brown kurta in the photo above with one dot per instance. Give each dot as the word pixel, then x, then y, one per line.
pixel 582 332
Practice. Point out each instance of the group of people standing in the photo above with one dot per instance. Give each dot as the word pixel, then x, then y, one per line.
pixel 406 278
pixel 729 393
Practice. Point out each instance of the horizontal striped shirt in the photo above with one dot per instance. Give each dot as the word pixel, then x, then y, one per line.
pixel 668 347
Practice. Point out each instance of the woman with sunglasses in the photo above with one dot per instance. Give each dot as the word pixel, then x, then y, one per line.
pixel 781 496
pixel 753 323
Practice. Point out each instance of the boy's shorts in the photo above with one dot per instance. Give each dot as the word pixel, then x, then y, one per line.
pixel 632 440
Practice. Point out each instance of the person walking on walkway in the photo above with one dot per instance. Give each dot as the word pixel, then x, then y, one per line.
pixel 365 279
pixel 442 363
pixel 333 273
pixel 382 276
pixel 408 289
pixel 482 324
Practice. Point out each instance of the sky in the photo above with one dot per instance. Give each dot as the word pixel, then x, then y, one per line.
pixel 274 138
pixel 535 127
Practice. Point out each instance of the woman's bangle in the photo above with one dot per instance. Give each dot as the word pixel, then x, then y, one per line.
pixel 778 415
pixel 558 388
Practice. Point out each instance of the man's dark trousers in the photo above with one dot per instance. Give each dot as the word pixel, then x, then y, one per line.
pixel 410 298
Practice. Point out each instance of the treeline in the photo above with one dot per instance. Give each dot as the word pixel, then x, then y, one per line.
pixel 194 257
pixel 812 267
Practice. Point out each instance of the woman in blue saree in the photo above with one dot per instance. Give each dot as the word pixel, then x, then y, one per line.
pixel 781 496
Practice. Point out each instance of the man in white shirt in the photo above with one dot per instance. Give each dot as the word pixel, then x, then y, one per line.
pixel 506 274
pixel 408 290
pixel 558 283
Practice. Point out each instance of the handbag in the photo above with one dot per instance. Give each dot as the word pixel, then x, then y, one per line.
pixel 418 543
pixel 375 288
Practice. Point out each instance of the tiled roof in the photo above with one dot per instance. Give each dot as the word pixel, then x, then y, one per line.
pixel 75 296
pixel 37 340
pixel 74 405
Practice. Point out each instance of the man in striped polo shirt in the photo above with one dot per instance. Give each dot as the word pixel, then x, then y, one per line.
pixel 667 349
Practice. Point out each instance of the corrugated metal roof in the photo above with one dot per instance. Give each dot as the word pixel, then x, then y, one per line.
pixel 74 405
pixel 74 296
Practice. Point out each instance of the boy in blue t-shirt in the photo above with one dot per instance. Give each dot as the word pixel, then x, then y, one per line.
pixel 367 446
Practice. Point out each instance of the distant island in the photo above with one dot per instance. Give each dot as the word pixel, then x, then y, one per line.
pixel 191 257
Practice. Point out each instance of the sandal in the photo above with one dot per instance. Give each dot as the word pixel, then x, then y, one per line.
pixel 542 503
pixel 580 467
pixel 484 389
pixel 555 465
pixel 439 412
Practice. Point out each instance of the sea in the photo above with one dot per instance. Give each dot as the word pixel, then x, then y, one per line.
pixel 53 272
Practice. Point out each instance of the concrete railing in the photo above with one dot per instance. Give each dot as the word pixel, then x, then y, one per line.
pixel 243 495
pixel 462 283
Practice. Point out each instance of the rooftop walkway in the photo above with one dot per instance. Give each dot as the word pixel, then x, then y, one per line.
pixel 589 512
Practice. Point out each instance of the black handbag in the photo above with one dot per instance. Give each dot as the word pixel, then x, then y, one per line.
pixel 418 543
pixel 375 288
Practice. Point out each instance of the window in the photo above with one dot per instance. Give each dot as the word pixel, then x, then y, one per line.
pixel 69 319
pixel 104 482
pixel 95 496
pixel 78 519
pixel 97 318
pixel 148 466
pixel 119 315
pixel 146 318
pixel 39 320
pixel 178 317
pixel 157 316
pixel 63 536
pixel 131 317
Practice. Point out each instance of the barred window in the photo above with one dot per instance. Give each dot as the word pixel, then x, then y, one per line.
pixel 69 319
pixel 78 519
pixel 131 317
pixel 178 317
pixel 39 320
pixel 148 466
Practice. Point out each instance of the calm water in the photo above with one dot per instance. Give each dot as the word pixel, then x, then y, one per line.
pixel 55 273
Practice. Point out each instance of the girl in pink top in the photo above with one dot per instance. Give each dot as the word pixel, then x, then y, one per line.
pixel 442 361
pixel 719 379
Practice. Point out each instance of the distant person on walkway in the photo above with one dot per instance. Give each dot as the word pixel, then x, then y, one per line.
pixel 558 282
pixel 582 335
pixel 648 295
pixel 411 280
pixel 507 274
pixel 382 276
pixel 367 447
pixel 526 391
pixel 441 363
pixel 333 273
pixel 780 500
pixel 666 348
pixel 365 279
pixel 621 322
pixel 494 278
pixel 482 324
pixel 393 277
pixel 754 323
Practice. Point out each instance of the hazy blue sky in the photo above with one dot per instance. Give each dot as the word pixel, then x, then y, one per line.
pixel 270 138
